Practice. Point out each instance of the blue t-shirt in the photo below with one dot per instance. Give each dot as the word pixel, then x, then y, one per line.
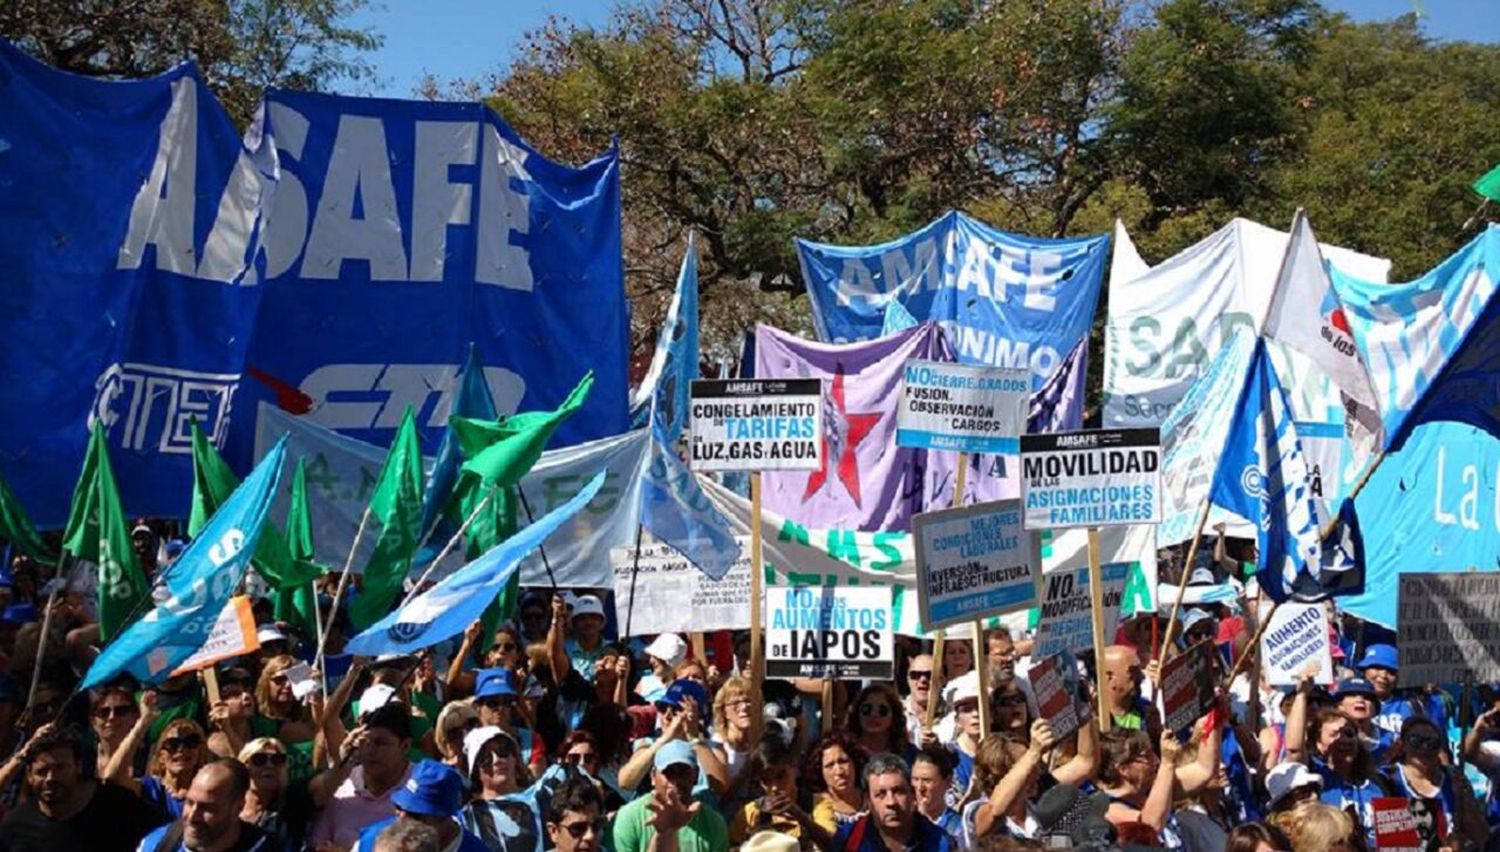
pixel 155 792
pixel 1404 705
pixel 1344 794
pixel 466 843
pixel 252 839
pixel 963 770
pixel 862 836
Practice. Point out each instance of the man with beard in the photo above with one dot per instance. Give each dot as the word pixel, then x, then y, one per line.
pixel 211 816
pixel 67 811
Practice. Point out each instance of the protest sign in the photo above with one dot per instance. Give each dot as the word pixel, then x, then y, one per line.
pixel 756 425
pixel 974 562
pixel 1065 623
pixel 1296 636
pixel 840 632
pixel 232 635
pixel 963 408
pixel 1448 627
pixel 1187 688
pixel 1102 477
pixel 672 596
pixel 1059 699
pixel 1395 825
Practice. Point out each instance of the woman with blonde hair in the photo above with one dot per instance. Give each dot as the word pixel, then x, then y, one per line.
pixel 734 734
pixel 271 803
pixel 1317 827
pixel 456 719
pixel 278 712
pixel 175 759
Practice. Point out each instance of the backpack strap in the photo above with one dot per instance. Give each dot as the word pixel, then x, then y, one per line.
pixel 857 834
pixel 171 839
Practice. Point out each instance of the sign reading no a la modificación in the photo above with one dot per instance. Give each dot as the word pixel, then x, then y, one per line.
pixel 962 408
pixel 1097 478
pixel 768 424
pixel 974 562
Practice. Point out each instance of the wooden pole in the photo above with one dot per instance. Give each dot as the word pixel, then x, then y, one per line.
pixel 981 655
pixel 211 683
pixel 757 608
pixel 1096 609
pixel 935 685
pixel 827 717
pixel 41 647
pixel 318 625
pixel 338 591
pixel 1187 570
pixel 1333 522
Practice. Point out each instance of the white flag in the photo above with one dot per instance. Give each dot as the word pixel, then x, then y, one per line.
pixel 1306 315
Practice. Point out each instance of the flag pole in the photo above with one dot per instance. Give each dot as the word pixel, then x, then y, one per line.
pixel 1182 579
pixel 635 569
pixel 452 542
pixel 338 592
pixel 1096 609
pixel 541 548
pixel 1253 649
pixel 41 647
pixel 1333 522
pixel 318 626
pixel 757 606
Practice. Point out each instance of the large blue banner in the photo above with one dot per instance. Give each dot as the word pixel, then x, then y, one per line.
pixel 1003 300
pixel 158 271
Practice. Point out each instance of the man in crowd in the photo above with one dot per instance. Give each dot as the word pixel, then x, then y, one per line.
pixel 1122 691
pixel 432 796
pixel 575 819
pixel 372 766
pixel 683 823
pixel 211 816
pixel 67 810
pixel 892 821
pixel 919 687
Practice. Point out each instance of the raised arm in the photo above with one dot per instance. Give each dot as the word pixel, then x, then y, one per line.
pixel 458 679
pixel 117 771
pixel 1194 776
pixel 557 650
pixel 1295 738
pixel 1083 765
pixel 1013 785
pixel 1159 801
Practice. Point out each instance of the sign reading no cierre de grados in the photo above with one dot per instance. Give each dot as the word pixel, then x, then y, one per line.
pixel 1097 478
pixel 842 632
pixel 974 562
pixel 962 408
pixel 767 424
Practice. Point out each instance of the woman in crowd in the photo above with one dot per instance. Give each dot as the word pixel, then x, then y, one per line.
pixel 112 715
pixel 1202 816
pixel 663 656
pixel 958 660
pixel 931 777
pixel 174 760
pixel 773 765
pixel 271 803
pixel 1138 781
pixel 1328 743
pixel 1438 794
pixel 497 773
pixel 1257 837
pixel 278 712
pixel 733 734
pixel 496 699
pixel 609 725
pixel 831 773
pixel 876 721
pixel 964 698
pixel 454 722
pixel 1012 712
pixel 1319 827
pixel 231 719
pixel 505 651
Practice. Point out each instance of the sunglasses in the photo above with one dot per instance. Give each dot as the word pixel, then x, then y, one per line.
pixel 182 743
pixel 278 679
pixel 923 674
pixel 114 711
pixel 1424 742
pixel 575 757
pixel 495 703
pixel 1011 701
pixel 267 758
pixel 505 647
pixel 871 709
pixel 487 760
pixel 576 830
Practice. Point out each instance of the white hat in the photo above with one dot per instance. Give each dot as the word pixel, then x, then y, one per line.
pixel 770 841
pixel 1288 776
pixel 377 695
pixel 588 605
pixel 962 688
pixel 475 741
pixel 270 633
pixel 669 648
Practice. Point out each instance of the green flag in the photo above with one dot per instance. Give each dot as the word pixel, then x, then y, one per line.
pixel 16 526
pixel 296 604
pixel 1489 185
pixel 213 482
pixel 97 533
pixel 397 504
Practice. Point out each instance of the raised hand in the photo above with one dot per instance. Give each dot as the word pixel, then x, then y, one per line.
pixel 669 814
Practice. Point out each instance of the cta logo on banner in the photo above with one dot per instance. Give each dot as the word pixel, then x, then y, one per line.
pixel 974 562
pixel 1065 622
pixel 841 632
pixel 742 424
pixel 957 407
pixel 1105 477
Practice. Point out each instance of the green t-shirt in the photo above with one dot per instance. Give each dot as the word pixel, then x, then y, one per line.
pixel 706 833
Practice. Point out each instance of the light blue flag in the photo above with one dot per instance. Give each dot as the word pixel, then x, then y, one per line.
pixel 199 585
pixel 663 394
pixel 1263 476
pixel 472 399
pixel 897 318
pixel 444 610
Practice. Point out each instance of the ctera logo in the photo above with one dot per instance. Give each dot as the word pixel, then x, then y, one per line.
pixel 154 406
pixel 374 396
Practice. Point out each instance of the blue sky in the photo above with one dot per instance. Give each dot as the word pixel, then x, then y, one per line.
pixel 468 38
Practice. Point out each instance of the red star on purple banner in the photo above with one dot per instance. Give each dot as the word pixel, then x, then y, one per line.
pixel 842 434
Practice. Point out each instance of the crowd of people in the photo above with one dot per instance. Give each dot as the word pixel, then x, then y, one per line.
pixel 549 732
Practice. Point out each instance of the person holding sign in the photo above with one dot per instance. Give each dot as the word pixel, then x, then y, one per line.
pixel 1357 700
pixel 1139 782
pixel 1328 743
pixel 1446 811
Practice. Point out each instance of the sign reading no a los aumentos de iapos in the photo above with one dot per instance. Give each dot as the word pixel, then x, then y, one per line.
pixel 769 424
pixel 974 562
pixel 961 407
pixel 1098 478
pixel 842 632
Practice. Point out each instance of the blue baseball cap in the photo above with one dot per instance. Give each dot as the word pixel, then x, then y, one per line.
pixel 489 683
pixel 18 613
pixel 1380 657
pixel 674 753
pixel 1356 686
pixel 432 790
pixel 680 689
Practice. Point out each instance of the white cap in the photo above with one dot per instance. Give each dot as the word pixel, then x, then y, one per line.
pixel 588 605
pixel 270 633
pixel 476 739
pixel 669 648
pixel 770 841
pixel 1288 776
pixel 962 688
pixel 377 695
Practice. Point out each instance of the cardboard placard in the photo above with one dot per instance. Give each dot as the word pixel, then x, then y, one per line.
pixel 1395 827
pixel 768 424
pixel 1448 627
pixel 974 562
pixel 1296 636
pixel 1065 622
pixel 673 596
pixel 233 635
pixel 970 409
pixel 1096 478
pixel 1060 698
pixel 842 632
pixel 1187 688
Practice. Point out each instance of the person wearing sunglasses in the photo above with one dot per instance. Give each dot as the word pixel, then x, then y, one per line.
pixel 276 705
pixel 575 817
pixel 918 687
pixel 111 717
pixel 496 699
pixel 1328 743
pixel 231 719
pixel 174 760
pixel 1438 794
pixel 497 815
pixel 280 809
pixel 506 651
pixel 875 719
pixel 454 722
